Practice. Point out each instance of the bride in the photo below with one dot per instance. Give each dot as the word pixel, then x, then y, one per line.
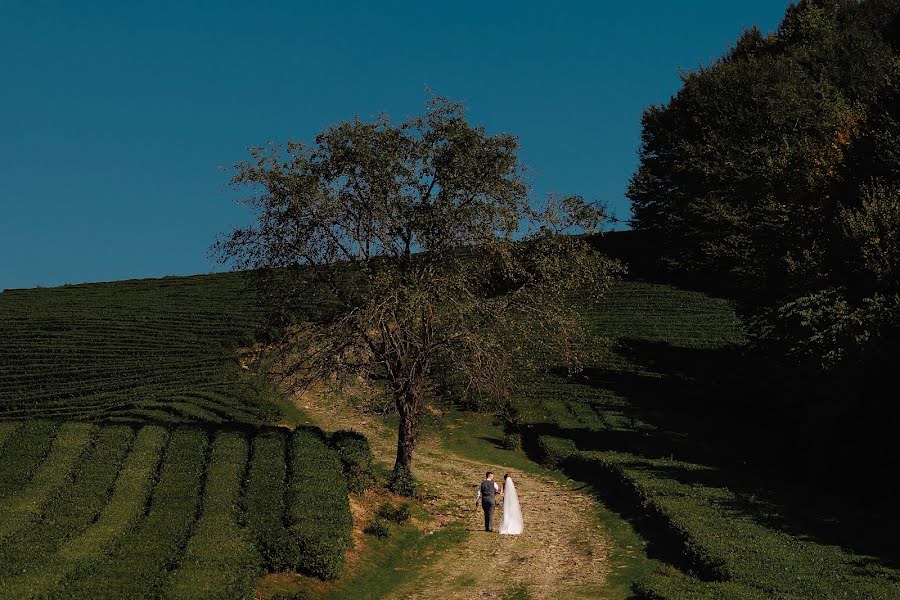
pixel 512 523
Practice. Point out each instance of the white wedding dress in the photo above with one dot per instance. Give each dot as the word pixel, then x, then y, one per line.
pixel 512 523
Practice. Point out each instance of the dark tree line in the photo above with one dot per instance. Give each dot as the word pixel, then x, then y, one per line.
pixel 774 174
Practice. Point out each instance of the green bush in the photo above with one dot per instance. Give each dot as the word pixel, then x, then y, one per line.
pixel 139 562
pixel 659 586
pixel 318 511
pixel 512 441
pixel 553 451
pixel 302 595
pixel 356 456
pixel 399 514
pixel 220 560
pixel 265 499
pixel 402 482
pixel 377 528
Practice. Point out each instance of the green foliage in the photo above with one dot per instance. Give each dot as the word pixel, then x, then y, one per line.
pixel 826 331
pixel 120 511
pixel 377 528
pixel 512 441
pixel 104 512
pixel 318 511
pixel 871 234
pixel 156 350
pixel 290 596
pixel 740 172
pixel 71 511
pixel 138 565
pixel 432 220
pixel 402 481
pixel 22 453
pixel 265 500
pixel 633 423
pixel 395 514
pixel 356 456
pixel 220 560
pixel 773 175
pixel 721 541
pixel 53 473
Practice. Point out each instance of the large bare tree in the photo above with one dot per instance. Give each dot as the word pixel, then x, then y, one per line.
pixel 426 254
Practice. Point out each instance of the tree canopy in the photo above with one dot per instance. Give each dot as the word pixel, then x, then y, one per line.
pixel 435 260
pixel 774 174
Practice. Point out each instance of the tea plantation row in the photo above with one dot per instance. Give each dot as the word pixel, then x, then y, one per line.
pixel 654 351
pixel 110 511
pixel 156 350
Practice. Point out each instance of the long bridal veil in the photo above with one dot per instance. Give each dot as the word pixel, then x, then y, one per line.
pixel 512 523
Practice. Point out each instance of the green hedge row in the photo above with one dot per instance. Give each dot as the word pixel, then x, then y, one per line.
pixel 70 512
pixel 120 512
pixel 87 352
pixel 137 567
pixel 353 449
pixel 725 544
pixel 265 500
pixel 20 508
pixel 220 560
pixel 318 510
pixel 22 453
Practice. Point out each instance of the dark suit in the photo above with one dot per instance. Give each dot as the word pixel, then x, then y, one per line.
pixel 488 492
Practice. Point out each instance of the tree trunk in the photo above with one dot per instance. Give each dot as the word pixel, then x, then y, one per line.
pixel 406 400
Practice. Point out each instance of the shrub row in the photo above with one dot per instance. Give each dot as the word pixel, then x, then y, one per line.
pixel 7 428
pixel 138 565
pixel 353 449
pixel 318 512
pixel 106 344
pixel 723 545
pixel 127 525
pixel 220 560
pixel 265 500
pixel 19 509
pixel 22 453
pixel 70 512
pixel 124 507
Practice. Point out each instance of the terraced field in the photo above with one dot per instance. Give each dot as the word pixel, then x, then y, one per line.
pixel 110 511
pixel 135 460
pixel 140 351
pixel 627 425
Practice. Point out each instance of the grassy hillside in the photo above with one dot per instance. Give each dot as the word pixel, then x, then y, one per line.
pixel 135 456
pixel 646 423
pixel 108 511
pixel 155 350
pixel 142 363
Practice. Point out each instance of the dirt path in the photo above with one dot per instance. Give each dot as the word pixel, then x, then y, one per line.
pixel 561 553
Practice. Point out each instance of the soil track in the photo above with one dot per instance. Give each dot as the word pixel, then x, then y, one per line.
pixel 561 554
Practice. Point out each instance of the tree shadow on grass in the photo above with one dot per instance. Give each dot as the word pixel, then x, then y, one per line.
pixel 697 405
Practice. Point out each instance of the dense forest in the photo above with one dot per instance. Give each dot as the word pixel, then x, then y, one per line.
pixel 773 177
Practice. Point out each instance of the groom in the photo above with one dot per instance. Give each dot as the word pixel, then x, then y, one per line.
pixel 487 493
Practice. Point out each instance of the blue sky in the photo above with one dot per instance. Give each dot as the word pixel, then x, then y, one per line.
pixel 115 118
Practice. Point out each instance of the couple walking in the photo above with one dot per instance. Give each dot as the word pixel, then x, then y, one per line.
pixel 512 523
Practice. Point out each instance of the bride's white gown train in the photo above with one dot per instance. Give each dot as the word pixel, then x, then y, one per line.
pixel 512 523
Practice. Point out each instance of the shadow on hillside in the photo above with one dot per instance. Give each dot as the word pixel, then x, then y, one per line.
pixel 639 251
pixel 697 404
